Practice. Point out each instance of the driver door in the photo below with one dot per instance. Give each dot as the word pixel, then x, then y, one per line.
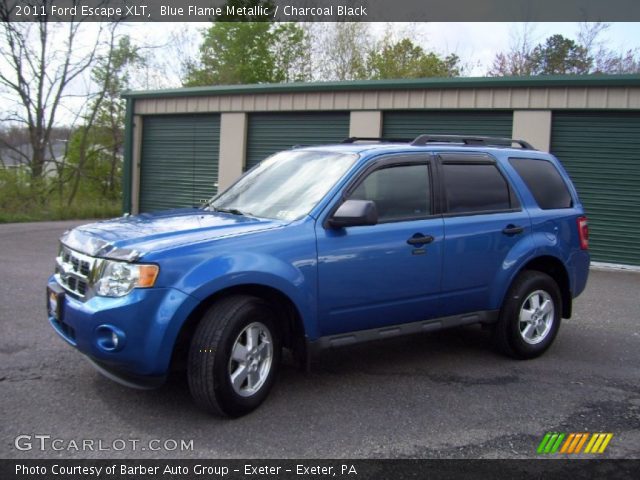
pixel 389 273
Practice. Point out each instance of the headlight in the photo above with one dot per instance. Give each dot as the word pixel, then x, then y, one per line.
pixel 116 279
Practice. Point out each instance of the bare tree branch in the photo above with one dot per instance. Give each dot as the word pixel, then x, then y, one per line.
pixel 41 71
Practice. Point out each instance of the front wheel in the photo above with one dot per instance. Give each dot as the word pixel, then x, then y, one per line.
pixel 234 356
pixel 530 316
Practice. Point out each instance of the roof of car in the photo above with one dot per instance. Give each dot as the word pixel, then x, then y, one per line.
pixel 431 143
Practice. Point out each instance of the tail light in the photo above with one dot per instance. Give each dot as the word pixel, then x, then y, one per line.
pixel 583 232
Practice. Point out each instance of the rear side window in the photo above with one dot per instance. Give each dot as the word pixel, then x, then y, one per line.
pixel 544 181
pixel 475 187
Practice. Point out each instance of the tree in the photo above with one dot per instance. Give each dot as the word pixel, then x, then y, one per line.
pixel 559 55
pixel 96 146
pixel 249 52
pixel 606 60
pixel 340 50
pixel 516 60
pixel 404 59
pixel 256 51
pixel 43 59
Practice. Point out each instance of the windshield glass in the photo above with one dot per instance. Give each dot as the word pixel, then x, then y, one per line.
pixel 285 186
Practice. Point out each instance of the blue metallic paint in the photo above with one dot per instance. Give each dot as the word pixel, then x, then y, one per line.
pixel 150 318
pixel 339 281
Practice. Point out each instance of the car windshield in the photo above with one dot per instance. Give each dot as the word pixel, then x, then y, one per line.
pixel 285 186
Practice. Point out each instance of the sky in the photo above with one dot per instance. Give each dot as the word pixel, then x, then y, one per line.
pixel 475 43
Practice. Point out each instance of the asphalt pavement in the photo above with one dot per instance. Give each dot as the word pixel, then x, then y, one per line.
pixel 439 395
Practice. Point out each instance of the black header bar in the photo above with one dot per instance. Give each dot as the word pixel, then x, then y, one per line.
pixel 343 469
pixel 324 10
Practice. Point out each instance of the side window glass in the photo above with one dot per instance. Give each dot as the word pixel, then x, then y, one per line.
pixel 544 182
pixel 471 188
pixel 400 192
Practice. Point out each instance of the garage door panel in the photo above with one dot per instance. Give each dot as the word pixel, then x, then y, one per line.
pixel 179 161
pixel 601 152
pixel 269 133
pixel 411 123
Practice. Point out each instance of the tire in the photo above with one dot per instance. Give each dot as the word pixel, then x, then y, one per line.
pixel 530 316
pixel 236 340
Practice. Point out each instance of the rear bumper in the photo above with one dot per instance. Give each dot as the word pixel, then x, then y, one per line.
pixel 580 261
pixel 148 320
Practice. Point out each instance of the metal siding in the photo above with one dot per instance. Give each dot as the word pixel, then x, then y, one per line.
pixel 179 161
pixel 601 152
pixel 269 133
pixel 403 124
pixel 388 98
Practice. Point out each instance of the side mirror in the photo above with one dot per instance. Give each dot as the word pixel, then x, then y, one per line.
pixel 354 213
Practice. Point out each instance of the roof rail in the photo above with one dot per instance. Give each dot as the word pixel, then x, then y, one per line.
pixel 376 139
pixel 471 141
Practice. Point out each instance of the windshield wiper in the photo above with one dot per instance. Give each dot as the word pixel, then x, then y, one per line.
pixel 233 211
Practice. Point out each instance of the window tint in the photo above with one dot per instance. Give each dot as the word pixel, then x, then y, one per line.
pixel 400 192
pixel 475 188
pixel 544 182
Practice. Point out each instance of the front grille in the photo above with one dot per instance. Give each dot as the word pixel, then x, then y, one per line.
pixel 73 271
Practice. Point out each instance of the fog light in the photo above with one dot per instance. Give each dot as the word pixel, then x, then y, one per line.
pixel 110 338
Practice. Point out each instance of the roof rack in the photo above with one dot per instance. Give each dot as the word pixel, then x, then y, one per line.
pixel 376 139
pixel 472 141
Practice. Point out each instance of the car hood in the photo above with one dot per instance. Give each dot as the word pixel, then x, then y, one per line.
pixel 131 237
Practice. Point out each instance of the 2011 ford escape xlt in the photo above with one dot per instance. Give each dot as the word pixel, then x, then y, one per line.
pixel 321 247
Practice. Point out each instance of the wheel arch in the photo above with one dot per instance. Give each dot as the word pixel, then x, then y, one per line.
pixel 290 319
pixel 553 267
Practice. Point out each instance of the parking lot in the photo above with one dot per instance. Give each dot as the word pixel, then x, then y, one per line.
pixel 443 395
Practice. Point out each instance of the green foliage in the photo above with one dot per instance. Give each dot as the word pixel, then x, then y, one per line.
pixel 404 59
pixel 100 175
pixel 23 199
pixel 87 182
pixel 250 52
pixel 559 55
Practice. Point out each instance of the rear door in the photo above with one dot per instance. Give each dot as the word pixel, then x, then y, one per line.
pixel 373 276
pixel 483 221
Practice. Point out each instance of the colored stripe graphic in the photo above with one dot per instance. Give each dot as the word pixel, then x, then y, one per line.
pixel 572 443
pixel 565 447
pixel 551 443
pixel 599 443
pixel 543 443
pixel 592 443
pixel 605 443
pixel 581 443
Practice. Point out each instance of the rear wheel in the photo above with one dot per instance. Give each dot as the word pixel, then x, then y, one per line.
pixel 234 356
pixel 530 316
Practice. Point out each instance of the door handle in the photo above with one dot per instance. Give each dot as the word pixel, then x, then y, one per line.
pixel 420 239
pixel 512 229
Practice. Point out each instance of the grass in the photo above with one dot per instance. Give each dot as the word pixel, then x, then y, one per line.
pixel 78 211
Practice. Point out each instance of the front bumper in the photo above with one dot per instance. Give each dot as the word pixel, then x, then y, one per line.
pixel 148 320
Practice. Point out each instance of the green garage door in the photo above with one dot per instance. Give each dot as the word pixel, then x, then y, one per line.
pixel 179 164
pixel 411 123
pixel 601 152
pixel 271 132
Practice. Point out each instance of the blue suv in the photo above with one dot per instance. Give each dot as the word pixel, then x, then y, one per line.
pixel 321 247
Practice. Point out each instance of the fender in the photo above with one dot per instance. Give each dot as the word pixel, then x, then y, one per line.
pixel 521 253
pixel 298 283
pixel 538 244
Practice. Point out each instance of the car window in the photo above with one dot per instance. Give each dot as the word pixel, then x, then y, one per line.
pixel 544 182
pixel 286 185
pixel 400 192
pixel 474 187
